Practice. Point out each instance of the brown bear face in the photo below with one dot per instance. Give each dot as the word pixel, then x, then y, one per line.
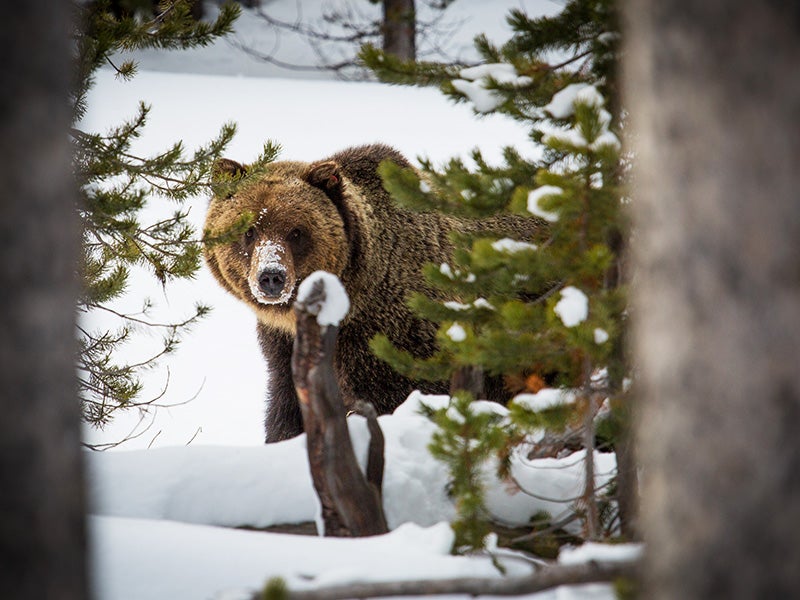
pixel 296 230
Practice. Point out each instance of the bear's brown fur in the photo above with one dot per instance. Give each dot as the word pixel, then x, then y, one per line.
pixel 335 215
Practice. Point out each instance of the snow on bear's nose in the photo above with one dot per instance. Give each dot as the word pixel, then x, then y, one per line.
pixel 271 275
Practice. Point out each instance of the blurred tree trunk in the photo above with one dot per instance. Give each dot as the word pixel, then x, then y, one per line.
pixel 715 99
pixel 42 539
pixel 399 28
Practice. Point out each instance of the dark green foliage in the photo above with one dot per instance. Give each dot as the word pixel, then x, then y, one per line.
pixel 392 69
pixel 101 34
pixel 275 589
pixel 466 438
pixel 116 184
pixel 579 44
pixel 503 317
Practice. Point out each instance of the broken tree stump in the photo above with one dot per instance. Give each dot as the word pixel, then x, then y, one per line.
pixel 351 503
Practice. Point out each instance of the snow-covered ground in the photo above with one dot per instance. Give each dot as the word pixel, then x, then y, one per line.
pixel 158 513
pixel 158 516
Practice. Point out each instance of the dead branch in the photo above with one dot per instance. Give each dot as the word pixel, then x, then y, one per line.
pixel 542 579
pixel 351 505
pixel 375 452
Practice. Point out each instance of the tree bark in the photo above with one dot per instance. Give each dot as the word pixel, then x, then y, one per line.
pixel 627 473
pixel 715 103
pixel 399 28
pixel 351 504
pixel 468 379
pixel 42 534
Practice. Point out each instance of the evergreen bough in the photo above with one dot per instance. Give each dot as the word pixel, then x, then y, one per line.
pixel 116 185
pixel 517 308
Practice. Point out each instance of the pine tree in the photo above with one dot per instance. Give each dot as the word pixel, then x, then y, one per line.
pixel 116 185
pixel 530 311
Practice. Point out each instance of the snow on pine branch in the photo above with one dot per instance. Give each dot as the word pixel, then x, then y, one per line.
pixel 474 81
pixel 563 105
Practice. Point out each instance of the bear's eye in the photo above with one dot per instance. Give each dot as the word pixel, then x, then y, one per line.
pixel 298 240
pixel 250 234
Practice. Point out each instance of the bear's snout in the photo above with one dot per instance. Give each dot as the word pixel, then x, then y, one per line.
pixel 271 281
pixel 271 275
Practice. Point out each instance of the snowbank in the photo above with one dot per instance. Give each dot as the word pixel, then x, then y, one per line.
pixel 269 485
pixel 153 533
pixel 152 560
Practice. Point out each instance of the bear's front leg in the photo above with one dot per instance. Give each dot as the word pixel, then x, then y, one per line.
pixel 283 419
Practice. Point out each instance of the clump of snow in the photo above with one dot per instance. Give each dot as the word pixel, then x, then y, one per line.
pixel 591 96
pixel 478 407
pixel 336 304
pixel 412 407
pixel 607 37
pixel 600 336
pixel 599 377
pixel 453 305
pixel 544 399
pixel 481 407
pixel 512 246
pixel 456 333
pixel 573 308
pixel 474 80
pixel 448 272
pixel 571 136
pixel 593 551
pixel 460 306
pixel 535 196
pixel 607 138
pixel 454 415
pixel 483 100
pixel 483 303
pixel 562 104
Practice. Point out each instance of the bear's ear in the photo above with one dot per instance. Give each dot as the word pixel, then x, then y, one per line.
pixel 225 176
pixel 325 176
pixel 225 169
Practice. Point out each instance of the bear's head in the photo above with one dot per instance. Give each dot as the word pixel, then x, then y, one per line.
pixel 298 226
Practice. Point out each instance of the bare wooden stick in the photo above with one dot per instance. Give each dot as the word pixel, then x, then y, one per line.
pixel 351 507
pixel 375 453
pixel 543 579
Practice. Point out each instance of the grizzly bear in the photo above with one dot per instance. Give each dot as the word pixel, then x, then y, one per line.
pixel 335 215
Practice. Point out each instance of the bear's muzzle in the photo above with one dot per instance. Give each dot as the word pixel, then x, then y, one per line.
pixel 271 276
